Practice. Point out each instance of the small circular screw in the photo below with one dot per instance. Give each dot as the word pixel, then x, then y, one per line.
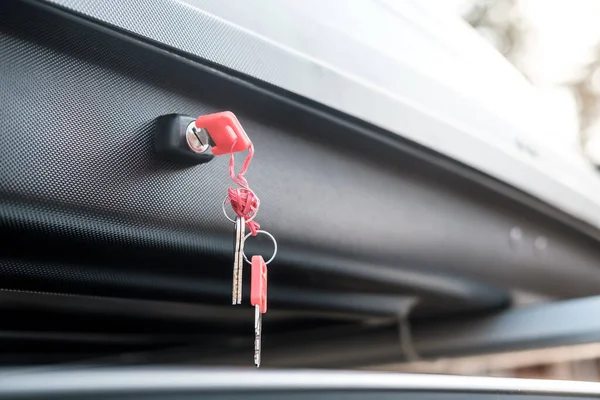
pixel 515 235
pixel 541 243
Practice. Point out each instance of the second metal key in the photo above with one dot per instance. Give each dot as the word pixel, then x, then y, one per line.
pixel 238 260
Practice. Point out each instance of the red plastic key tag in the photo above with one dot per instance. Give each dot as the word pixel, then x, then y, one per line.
pixel 226 132
pixel 258 284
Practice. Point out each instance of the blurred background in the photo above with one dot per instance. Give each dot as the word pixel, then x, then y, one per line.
pixel 580 363
pixel 555 44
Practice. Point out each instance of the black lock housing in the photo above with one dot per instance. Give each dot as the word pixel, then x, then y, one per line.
pixel 178 141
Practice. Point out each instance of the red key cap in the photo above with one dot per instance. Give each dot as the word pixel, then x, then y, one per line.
pixel 225 130
pixel 258 284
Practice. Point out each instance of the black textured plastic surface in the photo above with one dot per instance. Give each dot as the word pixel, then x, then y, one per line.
pixel 81 186
pixel 80 170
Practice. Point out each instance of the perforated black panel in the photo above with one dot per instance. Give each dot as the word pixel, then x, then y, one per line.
pixel 81 185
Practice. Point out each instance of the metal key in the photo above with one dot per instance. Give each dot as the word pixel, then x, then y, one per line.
pixel 238 261
pixel 257 334
pixel 241 260
pixel 258 298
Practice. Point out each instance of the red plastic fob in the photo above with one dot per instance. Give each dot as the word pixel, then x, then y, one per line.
pixel 226 132
pixel 258 283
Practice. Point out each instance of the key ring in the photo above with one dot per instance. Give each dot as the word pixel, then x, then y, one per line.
pixel 274 243
pixel 231 219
